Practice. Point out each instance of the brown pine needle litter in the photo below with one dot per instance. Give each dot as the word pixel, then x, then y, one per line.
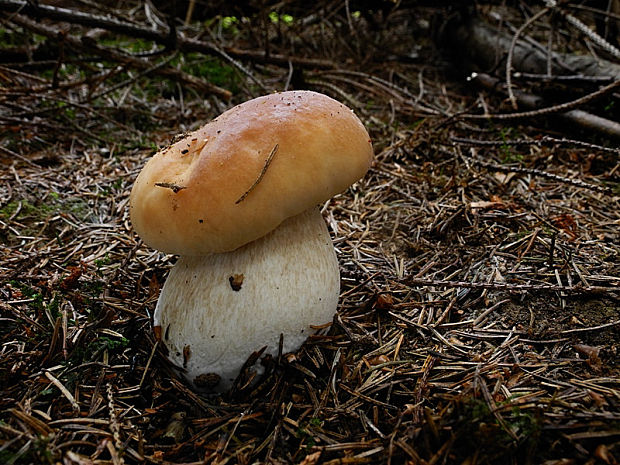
pixel 479 318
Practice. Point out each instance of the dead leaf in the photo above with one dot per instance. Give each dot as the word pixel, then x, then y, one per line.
pixel 71 281
pixel 378 360
pixel 207 380
pixel 602 453
pixel 590 351
pixel 311 459
pixel 176 427
pixel 594 361
pixel 566 223
pixel 385 302
pixel 598 399
pixel 486 205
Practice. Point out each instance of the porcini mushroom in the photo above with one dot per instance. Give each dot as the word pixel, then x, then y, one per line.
pixel 237 199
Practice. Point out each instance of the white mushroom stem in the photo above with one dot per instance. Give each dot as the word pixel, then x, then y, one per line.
pixel 215 310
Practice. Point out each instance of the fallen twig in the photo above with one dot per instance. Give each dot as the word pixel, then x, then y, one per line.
pixel 545 140
pixel 577 289
pixel 540 173
pixel 116 56
pixel 260 176
pixel 582 118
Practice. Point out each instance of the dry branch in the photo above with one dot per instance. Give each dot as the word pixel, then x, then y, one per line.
pixel 514 287
pixel 90 45
pixel 577 117
pixel 486 48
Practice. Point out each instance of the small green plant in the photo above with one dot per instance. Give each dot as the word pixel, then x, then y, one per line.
pixel 29 293
pixel 227 22
pixel 106 343
pixel 610 106
pixel 276 18
pixel 304 432
pixel 53 307
pixel 40 448
pixel 508 152
pixel 101 262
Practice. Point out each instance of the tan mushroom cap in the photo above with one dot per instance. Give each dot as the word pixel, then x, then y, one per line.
pixel 239 176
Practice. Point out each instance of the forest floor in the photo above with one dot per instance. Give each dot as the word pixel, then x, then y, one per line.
pixel 479 318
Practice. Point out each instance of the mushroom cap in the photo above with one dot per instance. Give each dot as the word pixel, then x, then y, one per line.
pixel 242 174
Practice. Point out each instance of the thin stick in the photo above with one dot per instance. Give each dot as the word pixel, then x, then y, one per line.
pixel 552 109
pixel 260 176
pixel 513 44
pixel 171 186
pixel 488 311
pixel 65 392
pixel 593 36
pixel 591 328
pixel 539 142
pixel 148 363
pixel 512 287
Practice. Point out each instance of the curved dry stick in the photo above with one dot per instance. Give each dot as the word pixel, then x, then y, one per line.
pixel 260 176
pixel 552 109
pixel 576 116
pixel 593 36
pixel 513 44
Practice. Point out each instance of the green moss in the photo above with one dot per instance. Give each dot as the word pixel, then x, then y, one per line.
pixel 64 72
pixel 77 207
pixel 26 210
pixel 210 69
pixel 17 37
pixel 36 211
pixel 131 44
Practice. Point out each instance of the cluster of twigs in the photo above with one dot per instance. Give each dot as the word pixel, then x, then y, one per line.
pixel 479 316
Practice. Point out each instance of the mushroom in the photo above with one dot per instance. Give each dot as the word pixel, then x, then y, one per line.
pixel 237 200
